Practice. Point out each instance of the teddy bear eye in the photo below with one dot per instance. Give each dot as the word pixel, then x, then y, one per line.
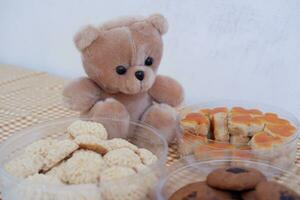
pixel 149 61
pixel 121 70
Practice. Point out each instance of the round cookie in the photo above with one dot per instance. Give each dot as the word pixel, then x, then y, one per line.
pixel 268 190
pixel 249 195
pixel 235 178
pixel 200 190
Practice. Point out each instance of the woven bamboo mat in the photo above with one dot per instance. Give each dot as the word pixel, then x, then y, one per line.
pixel 28 97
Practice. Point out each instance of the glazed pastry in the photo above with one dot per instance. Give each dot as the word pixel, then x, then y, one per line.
pixel 196 123
pixel 220 128
pixel 263 140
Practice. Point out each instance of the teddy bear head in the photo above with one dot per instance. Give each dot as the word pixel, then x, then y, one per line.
pixel 123 55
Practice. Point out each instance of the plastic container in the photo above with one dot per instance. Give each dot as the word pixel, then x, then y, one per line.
pixel 283 155
pixel 191 169
pixel 133 187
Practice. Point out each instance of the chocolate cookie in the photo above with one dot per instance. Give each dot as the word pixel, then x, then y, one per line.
pixel 235 178
pixel 249 195
pixel 201 191
pixel 268 190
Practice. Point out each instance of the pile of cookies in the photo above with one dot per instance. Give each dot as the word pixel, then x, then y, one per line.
pixel 235 183
pixel 235 128
pixel 87 156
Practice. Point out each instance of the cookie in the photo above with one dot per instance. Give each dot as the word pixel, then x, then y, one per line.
pixel 83 167
pixel 269 190
pixel 43 179
pixel 249 195
pixel 122 157
pixel 81 127
pixel 59 151
pixel 235 178
pixel 40 147
pixel 135 190
pixel 116 172
pixel 201 191
pixel 92 143
pixel 117 143
pixel 57 170
pixel 25 165
pixel 132 191
pixel 146 156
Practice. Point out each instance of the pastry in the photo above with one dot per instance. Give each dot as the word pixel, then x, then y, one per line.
pixel 220 128
pixel 196 123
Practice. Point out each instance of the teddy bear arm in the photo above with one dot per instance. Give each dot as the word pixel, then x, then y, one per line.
pixel 82 94
pixel 167 90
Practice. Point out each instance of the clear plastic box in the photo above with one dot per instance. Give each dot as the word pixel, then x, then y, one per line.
pixel 283 155
pixel 138 186
pixel 191 169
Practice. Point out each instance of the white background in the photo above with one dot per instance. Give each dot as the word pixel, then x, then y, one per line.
pixel 228 49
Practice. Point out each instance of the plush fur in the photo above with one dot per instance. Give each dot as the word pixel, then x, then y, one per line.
pixel 105 93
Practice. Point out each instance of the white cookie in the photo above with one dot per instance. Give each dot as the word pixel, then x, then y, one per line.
pixel 116 172
pixel 80 127
pixel 40 147
pixel 59 151
pixel 130 191
pixel 57 171
pixel 83 167
pixel 43 179
pixel 93 143
pixel 117 143
pixel 146 156
pixel 24 165
pixel 111 190
pixel 122 157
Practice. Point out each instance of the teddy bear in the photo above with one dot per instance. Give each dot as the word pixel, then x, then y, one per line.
pixel 121 59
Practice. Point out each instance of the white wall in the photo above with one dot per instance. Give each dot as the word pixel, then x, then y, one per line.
pixel 236 49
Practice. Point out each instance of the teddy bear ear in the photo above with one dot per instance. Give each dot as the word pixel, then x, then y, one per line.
pixel 85 37
pixel 159 22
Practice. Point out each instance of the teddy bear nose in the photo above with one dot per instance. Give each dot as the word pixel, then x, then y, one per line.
pixel 139 75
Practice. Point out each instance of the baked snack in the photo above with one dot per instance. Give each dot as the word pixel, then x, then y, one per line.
pixel 122 157
pixel 117 143
pixel 200 190
pixel 25 165
pixel 283 131
pixel 264 141
pixel 269 190
pixel 92 143
pixel 249 195
pixel 146 156
pixel 245 129
pixel 220 128
pixel 81 127
pixel 196 123
pixel 59 151
pixel 83 167
pixel 235 178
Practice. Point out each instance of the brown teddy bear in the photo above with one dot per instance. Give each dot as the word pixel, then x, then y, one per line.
pixel 121 59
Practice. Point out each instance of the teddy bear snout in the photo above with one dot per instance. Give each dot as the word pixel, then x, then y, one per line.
pixel 140 75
